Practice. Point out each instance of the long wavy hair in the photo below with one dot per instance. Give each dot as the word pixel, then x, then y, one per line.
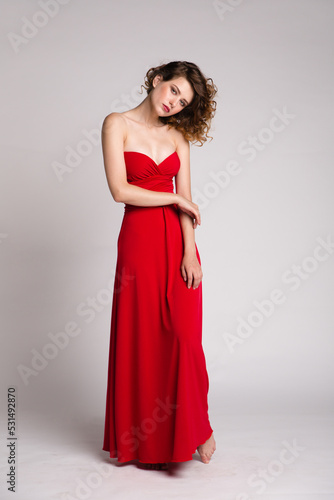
pixel 194 121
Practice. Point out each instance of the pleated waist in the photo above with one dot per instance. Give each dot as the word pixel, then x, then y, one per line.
pixel 132 208
pixel 159 183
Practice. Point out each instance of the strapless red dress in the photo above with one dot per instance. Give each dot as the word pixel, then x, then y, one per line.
pixel 157 387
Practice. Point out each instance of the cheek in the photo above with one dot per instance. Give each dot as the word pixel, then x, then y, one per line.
pixel 159 96
pixel 165 93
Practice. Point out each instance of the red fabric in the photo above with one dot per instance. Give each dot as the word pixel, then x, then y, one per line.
pixel 156 403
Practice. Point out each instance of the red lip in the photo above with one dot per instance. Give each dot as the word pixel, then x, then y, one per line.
pixel 166 108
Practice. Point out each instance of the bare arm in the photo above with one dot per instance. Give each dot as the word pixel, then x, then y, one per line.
pixel 113 136
pixel 183 187
pixel 191 269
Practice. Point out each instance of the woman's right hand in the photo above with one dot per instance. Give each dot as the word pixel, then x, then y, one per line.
pixel 189 208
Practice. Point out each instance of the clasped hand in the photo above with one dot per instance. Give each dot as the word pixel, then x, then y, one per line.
pixel 190 208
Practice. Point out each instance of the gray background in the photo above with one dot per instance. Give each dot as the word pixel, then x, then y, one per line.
pixel 59 229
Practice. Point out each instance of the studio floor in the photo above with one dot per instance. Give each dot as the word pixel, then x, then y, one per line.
pixel 280 457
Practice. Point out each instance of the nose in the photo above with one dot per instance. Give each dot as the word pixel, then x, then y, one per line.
pixel 171 103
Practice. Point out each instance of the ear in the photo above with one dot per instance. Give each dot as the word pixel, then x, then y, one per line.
pixel 156 80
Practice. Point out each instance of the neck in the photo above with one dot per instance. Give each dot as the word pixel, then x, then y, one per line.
pixel 145 114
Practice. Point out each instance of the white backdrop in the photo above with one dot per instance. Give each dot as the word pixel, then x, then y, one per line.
pixel 264 184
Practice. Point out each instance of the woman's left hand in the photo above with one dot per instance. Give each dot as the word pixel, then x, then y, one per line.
pixel 191 270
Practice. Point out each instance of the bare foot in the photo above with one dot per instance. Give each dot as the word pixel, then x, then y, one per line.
pixel 207 449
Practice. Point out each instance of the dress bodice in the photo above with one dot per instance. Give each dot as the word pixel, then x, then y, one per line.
pixel 142 171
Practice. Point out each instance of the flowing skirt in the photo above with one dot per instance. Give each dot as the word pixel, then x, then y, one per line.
pixel 156 402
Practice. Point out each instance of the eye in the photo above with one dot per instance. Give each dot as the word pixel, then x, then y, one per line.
pixel 182 102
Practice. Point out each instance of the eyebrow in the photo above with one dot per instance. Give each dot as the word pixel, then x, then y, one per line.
pixel 180 93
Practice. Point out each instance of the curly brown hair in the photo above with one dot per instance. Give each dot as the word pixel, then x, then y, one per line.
pixel 194 121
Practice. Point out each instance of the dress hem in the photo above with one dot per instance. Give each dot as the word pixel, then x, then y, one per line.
pixel 123 460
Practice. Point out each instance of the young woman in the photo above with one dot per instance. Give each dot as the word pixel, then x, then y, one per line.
pixel 156 403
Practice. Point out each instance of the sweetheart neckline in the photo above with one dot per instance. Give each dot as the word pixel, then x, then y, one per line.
pixel 157 164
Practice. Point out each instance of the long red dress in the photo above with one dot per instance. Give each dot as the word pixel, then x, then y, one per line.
pixel 156 402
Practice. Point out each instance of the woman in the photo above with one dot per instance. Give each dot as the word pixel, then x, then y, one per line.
pixel 156 404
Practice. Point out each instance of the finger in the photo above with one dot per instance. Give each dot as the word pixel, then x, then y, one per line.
pixel 183 272
pixel 198 218
pixel 190 279
pixel 198 279
pixel 196 283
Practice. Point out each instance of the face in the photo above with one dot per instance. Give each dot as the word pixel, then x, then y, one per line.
pixel 172 96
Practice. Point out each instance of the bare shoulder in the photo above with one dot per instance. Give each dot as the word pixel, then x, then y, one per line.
pixel 182 145
pixel 112 120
